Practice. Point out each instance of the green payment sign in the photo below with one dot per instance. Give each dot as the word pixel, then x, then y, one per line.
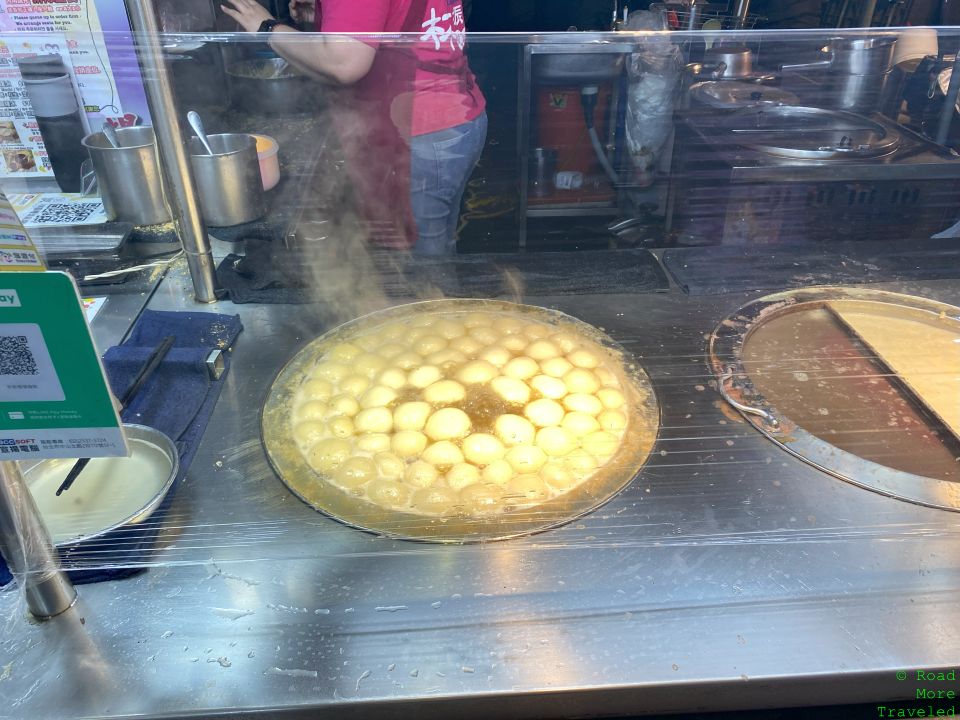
pixel 54 401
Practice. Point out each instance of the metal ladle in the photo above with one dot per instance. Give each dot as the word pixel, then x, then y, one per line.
pixel 197 124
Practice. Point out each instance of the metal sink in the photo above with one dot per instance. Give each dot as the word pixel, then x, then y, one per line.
pixel 572 66
pixel 577 62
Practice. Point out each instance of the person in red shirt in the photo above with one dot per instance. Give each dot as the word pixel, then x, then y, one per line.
pixel 413 123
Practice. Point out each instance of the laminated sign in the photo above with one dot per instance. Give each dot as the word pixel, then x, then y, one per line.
pixel 16 250
pixel 54 398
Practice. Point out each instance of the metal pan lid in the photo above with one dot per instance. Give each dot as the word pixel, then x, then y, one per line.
pixel 811 133
pixel 732 94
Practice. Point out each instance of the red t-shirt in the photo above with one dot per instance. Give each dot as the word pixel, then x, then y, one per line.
pixel 440 100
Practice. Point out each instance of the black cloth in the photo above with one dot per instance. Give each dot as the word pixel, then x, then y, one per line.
pixel 178 400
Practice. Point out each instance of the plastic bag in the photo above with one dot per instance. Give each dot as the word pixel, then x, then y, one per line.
pixel 654 70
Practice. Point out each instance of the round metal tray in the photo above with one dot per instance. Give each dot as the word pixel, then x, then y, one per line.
pixel 305 483
pixel 726 358
pixel 807 133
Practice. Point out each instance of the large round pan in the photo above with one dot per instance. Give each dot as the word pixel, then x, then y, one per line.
pixel 304 482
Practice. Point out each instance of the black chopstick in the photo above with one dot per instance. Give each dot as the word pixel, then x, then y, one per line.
pixel 156 357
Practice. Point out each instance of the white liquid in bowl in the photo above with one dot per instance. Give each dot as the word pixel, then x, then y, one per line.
pixel 109 491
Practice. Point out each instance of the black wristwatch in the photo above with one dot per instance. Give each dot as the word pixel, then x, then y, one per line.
pixel 268 25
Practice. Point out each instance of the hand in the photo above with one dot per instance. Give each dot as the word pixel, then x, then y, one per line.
pixel 303 11
pixel 248 13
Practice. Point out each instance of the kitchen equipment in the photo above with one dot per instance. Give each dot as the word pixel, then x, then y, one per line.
pixel 812 133
pixel 732 94
pixel 197 124
pixel 543 165
pixel 781 174
pixel 129 177
pixel 152 363
pixel 228 181
pixel 737 60
pixel 268 156
pixel 571 69
pixel 116 495
pixel 696 14
pixel 50 88
pixel 197 72
pixel 293 470
pixel 810 369
pixel 264 87
pixel 698 71
pixel 59 241
pixel 853 56
pixel 849 74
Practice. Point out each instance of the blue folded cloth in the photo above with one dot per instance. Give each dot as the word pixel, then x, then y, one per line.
pixel 178 400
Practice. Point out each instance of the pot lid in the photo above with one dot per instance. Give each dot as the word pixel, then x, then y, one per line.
pixel 811 133
pixel 732 94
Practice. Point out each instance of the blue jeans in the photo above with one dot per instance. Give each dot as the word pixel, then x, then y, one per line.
pixel 440 166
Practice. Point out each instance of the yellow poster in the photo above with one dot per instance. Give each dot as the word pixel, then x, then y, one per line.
pixel 16 250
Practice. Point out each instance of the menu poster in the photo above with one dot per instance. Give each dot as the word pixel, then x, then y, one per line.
pixel 22 152
pixel 16 250
pixel 97 37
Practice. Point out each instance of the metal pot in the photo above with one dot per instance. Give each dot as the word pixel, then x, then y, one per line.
pixel 271 87
pixel 858 93
pixel 131 184
pixel 736 59
pixel 228 182
pixel 852 56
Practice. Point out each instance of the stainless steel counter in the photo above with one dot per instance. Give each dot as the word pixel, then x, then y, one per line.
pixel 727 575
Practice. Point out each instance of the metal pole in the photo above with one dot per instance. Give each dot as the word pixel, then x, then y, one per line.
pixel 842 14
pixel 740 16
pixel 28 550
pixel 694 17
pixel 173 154
pixel 866 18
pixel 950 103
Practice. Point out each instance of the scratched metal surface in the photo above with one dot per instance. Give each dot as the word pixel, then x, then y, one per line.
pixel 727 575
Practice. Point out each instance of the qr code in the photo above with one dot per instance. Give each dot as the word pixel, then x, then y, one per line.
pixel 15 356
pixel 63 213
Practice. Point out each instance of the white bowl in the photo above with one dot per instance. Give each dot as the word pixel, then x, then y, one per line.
pixel 110 493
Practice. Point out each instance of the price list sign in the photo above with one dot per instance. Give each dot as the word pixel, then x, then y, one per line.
pixel 54 398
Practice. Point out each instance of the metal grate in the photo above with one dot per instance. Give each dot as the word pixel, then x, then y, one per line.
pixel 692 16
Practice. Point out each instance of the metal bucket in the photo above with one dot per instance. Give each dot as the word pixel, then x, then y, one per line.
pixel 129 176
pixel 228 182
